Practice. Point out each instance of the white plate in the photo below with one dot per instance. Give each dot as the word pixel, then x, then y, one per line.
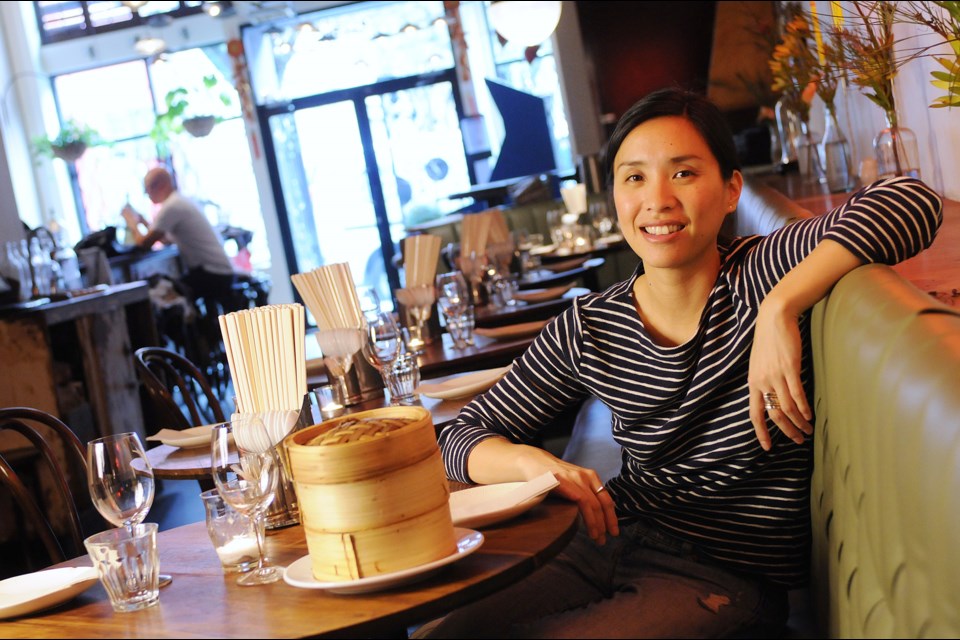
pixel 510 331
pixel 299 574
pixel 542 295
pixel 565 265
pixel 462 385
pixel 543 249
pixel 185 439
pixel 41 590
pixel 466 498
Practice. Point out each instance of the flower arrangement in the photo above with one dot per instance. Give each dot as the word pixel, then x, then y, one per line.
pixel 793 65
pixel 868 52
pixel 69 144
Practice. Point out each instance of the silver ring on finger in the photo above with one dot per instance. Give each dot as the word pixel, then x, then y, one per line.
pixel 770 401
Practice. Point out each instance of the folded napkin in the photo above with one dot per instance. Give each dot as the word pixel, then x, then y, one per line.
pixel 174 435
pixel 523 492
pixel 277 424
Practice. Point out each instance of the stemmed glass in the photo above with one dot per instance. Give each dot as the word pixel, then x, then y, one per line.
pixel 247 480
pixel 382 345
pixel 338 347
pixel 418 302
pixel 121 482
pixel 453 300
pixel 473 267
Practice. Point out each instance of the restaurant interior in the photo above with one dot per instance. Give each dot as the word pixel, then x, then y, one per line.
pixel 349 152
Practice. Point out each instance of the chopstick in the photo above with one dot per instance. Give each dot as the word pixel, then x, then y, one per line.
pixel 266 353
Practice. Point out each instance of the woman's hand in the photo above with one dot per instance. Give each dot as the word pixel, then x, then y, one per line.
pixel 499 460
pixel 775 369
pixel 579 485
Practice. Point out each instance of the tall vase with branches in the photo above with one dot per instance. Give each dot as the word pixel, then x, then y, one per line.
pixel 867 43
pixel 794 75
pixel 834 150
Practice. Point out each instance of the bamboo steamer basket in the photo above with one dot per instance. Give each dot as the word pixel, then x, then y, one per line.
pixel 374 506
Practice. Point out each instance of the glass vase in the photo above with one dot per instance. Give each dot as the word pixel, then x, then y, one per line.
pixel 896 151
pixel 808 156
pixel 788 127
pixel 835 156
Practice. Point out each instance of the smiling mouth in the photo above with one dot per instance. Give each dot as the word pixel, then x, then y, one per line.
pixel 663 229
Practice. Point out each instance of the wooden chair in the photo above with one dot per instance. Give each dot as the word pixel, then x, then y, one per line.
pixel 65 457
pixel 178 390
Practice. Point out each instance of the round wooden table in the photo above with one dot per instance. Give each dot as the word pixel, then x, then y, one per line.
pixel 202 602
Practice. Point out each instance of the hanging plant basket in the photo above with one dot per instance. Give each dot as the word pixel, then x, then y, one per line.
pixel 69 152
pixel 199 126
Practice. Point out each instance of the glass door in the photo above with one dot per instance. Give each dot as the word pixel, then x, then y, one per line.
pixel 353 168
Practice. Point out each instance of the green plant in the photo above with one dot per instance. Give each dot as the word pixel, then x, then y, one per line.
pixel 182 104
pixel 73 136
pixel 943 18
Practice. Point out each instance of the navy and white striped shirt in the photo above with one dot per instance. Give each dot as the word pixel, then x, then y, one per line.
pixel 692 464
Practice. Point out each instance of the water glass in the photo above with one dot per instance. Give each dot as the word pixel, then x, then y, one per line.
pixel 467 322
pixel 234 535
pixel 404 379
pixel 128 564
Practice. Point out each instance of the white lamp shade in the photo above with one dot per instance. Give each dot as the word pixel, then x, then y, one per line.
pixel 525 23
pixel 149 45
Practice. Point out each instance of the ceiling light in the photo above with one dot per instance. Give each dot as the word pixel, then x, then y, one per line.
pixel 525 23
pixel 218 9
pixel 149 45
pixel 133 5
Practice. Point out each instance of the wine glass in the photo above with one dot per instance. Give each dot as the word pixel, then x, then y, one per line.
pixel 338 347
pixel 453 300
pixel 247 479
pixel 382 346
pixel 369 301
pixel 418 304
pixel 121 482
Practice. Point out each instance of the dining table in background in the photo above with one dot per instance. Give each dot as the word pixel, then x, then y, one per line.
pixel 585 272
pixel 176 463
pixel 202 602
pixel 493 316
pixel 439 357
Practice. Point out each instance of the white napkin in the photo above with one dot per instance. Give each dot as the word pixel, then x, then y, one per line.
pixel 277 425
pixel 575 198
pixel 174 435
pixel 522 493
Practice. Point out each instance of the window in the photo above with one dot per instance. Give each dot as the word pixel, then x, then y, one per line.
pixel 216 170
pixel 59 21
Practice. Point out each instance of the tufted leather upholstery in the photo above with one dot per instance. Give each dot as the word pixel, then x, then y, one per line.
pixel 886 487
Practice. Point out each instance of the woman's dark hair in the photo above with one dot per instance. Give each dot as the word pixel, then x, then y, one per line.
pixel 702 114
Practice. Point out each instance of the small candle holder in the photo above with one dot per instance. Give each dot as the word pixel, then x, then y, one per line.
pixel 330 399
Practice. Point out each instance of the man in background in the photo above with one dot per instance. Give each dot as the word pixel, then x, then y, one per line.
pixel 209 271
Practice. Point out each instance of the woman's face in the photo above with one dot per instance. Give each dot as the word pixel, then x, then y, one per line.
pixel 671 199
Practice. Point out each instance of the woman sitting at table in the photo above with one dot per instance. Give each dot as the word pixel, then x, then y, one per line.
pixel 703 357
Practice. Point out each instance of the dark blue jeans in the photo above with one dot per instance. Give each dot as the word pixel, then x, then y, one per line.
pixel 641 584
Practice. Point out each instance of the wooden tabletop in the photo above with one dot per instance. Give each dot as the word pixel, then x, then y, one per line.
pixel 202 602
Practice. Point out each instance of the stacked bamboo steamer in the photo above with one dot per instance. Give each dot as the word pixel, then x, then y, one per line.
pixel 373 493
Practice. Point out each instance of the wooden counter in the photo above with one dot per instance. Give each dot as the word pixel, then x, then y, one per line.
pixel 935 271
pixel 74 358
